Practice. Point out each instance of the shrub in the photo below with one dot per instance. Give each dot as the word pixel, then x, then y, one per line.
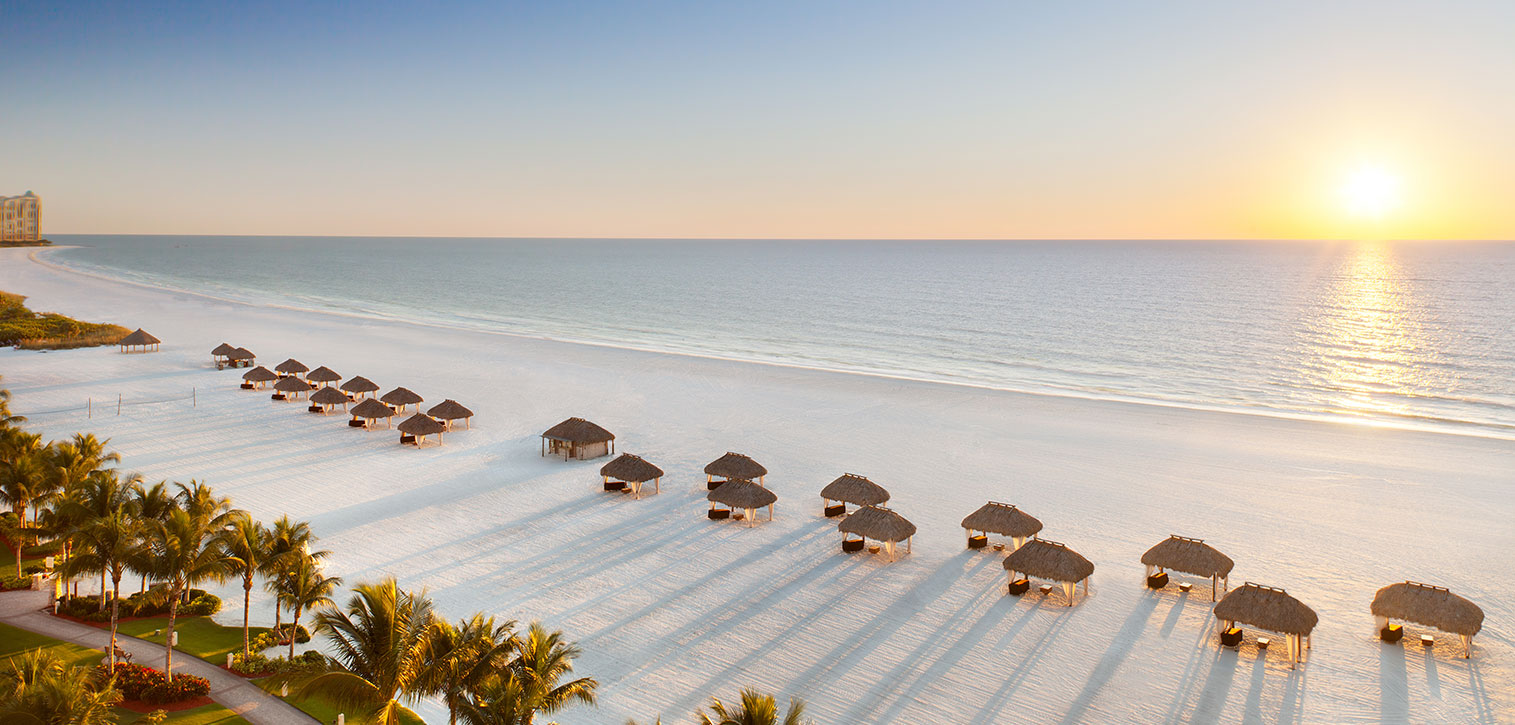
pixel 281 635
pixel 8 583
pixel 138 682
pixel 35 569
pixel 200 606
pixel 183 687
pixel 23 328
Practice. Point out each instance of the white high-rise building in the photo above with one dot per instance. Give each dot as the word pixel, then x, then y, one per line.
pixel 20 218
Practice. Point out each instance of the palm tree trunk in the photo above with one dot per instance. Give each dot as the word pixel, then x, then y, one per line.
pixel 143 589
pixel 115 616
pixel 294 628
pixel 246 604
pixel 102 590
pixel 168 648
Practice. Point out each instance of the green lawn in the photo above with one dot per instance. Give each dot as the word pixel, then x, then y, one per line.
pixel 15 642
pixel 211 714
pixel 31 555
pixel 322 710
pixel 198 636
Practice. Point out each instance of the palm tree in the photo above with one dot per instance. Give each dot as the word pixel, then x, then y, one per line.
pixel 499 700
pixel 461 658
pixel 306 587
pixel 152 503
pixel 186 549
pixel 542 660
pixel 290 539
pixel 380 642
pixel 25 474
pixel 110 544
pixel 14 533
pixel 101 494
pixel 38 688
pixel 6 418
pixel 250 552
pixel 756 709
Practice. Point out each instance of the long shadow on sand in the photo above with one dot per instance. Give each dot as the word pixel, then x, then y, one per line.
pixel 1393 685
pixel 1029 659
pixel 1120 648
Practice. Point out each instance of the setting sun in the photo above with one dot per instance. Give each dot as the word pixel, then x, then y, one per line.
pixel 1371 191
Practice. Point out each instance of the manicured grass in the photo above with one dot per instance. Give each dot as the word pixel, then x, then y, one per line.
pixel 31 555
pixel 198 636
pixel 211 714
pixel 322 710
pixel 15 642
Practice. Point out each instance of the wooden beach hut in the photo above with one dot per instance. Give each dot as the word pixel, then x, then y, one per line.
pixel 578 439
pixel 732 466
pixel 630 472
pixel 399 398
pixel 369 410
pixel 450 410
pixel 141 340
pixel 220 355
pixel 1051 561
pixel 359 387
pixel 1003 519
pixel 290 388
pixel 291 367
pixel 1432 606
pixel 241 358
pixel 1189 556
pixel 854 489
pixel 1267 608
pixel 257 377
pixel 324 376
pixel 739 493
pixel 877 523
pixel 326 399
pixel 417 428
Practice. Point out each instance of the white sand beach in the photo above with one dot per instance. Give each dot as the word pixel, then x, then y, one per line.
pixel 671 608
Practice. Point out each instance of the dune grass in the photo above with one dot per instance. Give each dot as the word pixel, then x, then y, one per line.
pixel 29 330
pixel 198 636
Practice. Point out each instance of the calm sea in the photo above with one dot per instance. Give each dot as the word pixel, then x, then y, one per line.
pixel 1419 334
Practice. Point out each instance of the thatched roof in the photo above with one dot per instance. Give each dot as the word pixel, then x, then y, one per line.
pixel 241 353
pixel 578 430
pixel 140 337
pixel 628 467
pixel 1268 608
pixel 421 425
pixel 359 384
pixel 371 409
pixel 1191 556
pixel 1049 560
pixel 449 409
pixel 1432 606
pixel 401 396
pixel 223 350
pixel 873 522
pixel 741 493
pixel 328 396
pixel 290 367
pixel 1003 519
pixel 854 489
pixel 323 374
pixel 260 374
pixel 735 465
pixel 291 385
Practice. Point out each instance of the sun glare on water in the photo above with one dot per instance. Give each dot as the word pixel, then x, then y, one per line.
pixel 1371 191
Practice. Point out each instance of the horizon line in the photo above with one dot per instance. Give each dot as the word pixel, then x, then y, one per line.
pixel 815 239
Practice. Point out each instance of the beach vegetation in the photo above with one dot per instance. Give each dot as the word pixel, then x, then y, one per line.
pixel 40 687
pixel 23 328
pixel 752 708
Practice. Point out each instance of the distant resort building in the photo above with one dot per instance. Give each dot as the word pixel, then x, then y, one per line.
pixel 20 218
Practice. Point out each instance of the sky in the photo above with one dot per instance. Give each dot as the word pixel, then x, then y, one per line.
pixel 814 119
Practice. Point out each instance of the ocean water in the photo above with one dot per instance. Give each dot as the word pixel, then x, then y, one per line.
pixel 1411 334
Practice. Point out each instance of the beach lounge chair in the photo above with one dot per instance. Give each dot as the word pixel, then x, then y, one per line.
pixel 355 423
pixel 407 439
pixel 978 542
pixel 1158 580
pixel 1019 587
pixel 851 545
pixel 1231 638
pixel 248 386
pixel 278 396
pixel 719 513
pixel 615 485
pixel 1392 633
pixel 315 409
pixel 837 510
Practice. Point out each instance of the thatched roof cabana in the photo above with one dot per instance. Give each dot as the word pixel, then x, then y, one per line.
pixel 730 466
pixel 578 439
pixel 292 386
pixel 360 386
pixel 402 397
pixel 291 367
pixel 1003 519
pixel 242 356
pixel 220 353
pixel 323 375
pixel 329 397
pixel 739 493
pixel 1190 556
pixel 1272 609
pixel 1431 606
pixel 854 489
pixel 140 340
pixel 256 377
pixel 450 410
pixel 369 409
pixel 417 427
pixel 877 523
pixel 1053 561
pixel 631 471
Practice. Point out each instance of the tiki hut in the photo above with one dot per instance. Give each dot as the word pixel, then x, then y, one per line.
pixel 360 386
pixel 1048 560
pixel 1190 556
pixel 140 340
pixel 740 493
pixel 401 397
pixel 1431 606
pixel 1267 608
pixel 241 357
pixel 220 355
pixel 877 523
pixel 290 388
pixel 416 428
pixel 369 410
pixel 257 377
pixel 323 375
pixel 854 489
pixel 578 439
pixel 1003 519
pixel 732 466
pixel 450 410
pixel 324 399
pixel 629 472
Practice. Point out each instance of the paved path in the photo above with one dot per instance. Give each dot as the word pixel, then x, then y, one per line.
pixel 24 609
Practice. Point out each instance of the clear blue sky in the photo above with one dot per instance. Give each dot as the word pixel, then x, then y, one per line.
pixel 825 119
